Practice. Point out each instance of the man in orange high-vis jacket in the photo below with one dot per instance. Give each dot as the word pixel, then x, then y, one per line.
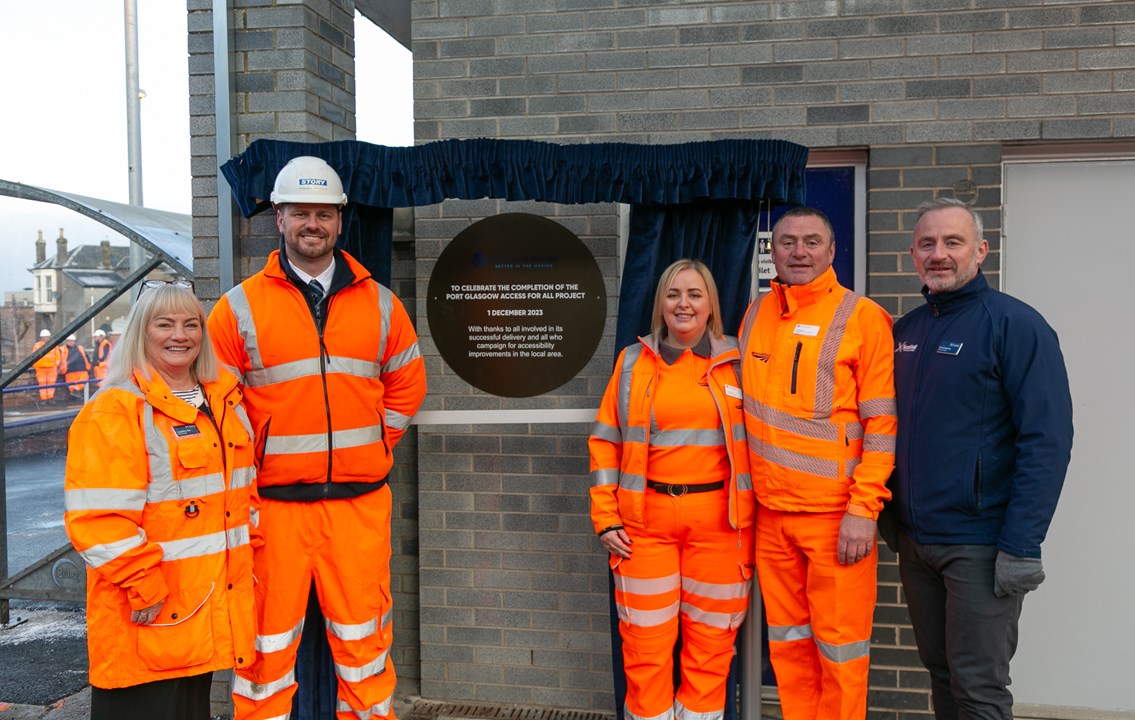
pixel 102 354
pixel 76 366
pixel 47 367
pixel 332 376
pixel 817 370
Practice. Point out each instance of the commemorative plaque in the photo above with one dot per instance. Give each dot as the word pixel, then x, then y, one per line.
pixel 516 305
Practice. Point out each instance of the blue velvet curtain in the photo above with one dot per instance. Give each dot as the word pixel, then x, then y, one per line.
pixel 696 200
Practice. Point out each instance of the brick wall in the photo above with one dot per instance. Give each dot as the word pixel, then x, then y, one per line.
pixel 933 90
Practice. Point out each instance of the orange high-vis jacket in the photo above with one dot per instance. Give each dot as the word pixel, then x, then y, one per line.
pixel 51 359
pixel 620 438
pixel 327 409
pixel 161 504
pixel 817 367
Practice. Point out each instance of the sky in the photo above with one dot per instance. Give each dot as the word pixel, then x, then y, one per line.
pixel 65 124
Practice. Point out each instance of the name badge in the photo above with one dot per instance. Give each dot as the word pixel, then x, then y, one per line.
pixel 949 348
pixel 807 330
pixel 733 392
pixel 185 430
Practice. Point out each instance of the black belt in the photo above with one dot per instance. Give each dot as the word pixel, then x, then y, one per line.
pixel 678 490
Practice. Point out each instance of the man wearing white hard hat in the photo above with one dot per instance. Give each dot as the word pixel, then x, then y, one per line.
pixel 102 354
pixel 332 375
pixel 47 367
pixel 76 367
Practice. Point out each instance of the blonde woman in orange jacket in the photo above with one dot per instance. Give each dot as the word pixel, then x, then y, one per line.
pixel 672 501
pixel 161 504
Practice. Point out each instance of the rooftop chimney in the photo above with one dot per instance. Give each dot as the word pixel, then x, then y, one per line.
pixel 106 254
pixel 61 248
pixel 40 248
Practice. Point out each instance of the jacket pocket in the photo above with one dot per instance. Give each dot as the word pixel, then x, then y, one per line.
pixel 182 636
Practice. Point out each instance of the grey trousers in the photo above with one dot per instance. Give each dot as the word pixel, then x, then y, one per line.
pixel 966 635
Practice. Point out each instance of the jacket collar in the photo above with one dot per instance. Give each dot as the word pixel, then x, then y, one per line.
pixel 945 301
pixel 158 394
pixel 347 269
pixel 792 297
pixel 709 346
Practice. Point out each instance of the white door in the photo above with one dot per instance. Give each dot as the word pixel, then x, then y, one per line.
pixel 1069 251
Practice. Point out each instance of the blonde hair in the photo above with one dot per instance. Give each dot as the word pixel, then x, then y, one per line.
pixel 130 351
pixel 658 323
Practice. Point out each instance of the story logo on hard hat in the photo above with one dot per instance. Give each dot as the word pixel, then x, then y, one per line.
pixel 318 182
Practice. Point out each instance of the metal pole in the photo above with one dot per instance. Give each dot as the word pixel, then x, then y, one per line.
pixel 222 98
pixel 133 121
pixel 4 619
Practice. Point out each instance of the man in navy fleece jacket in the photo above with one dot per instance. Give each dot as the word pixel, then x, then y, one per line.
pixel 984 439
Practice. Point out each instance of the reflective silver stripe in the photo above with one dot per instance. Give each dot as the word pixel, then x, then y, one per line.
pixel 237 536
pixel 357 631
pixel 397 420
pixel 680 438
pixel 402 359
pixel 385 308
pixel 104 499
pixel 826 362
pixel 850 465
pixel 242 415
pixel 310 367
pixel 853 431
pixel 279 641
pixel 681 712
pixel 194 547
pixel 739 431
pixel 717 591
pixel 358 674
pixel 636 434
pixel 381 709
pixel 647 618
pixel 317 442
pixel 794 460
pixel 254 518
pixel 97 555
pixel 722 620
pixel 242 477
pixel 604 476
pixel 744 481
pixel 747 329
pixel 843 653
pixel 648 586
pixel 878 407
pixel 256 691
pixel 630 357
pixel 161 485
pixel 788 422
pixel 668 715
pixel 789 633
pixel 603 431
pixel 873 442
pixel 245 326
pixel 634 483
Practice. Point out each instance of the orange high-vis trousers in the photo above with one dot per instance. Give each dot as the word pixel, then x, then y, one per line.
pixel 344 547
pixel 819 615
pixel 690 568
pixel 46 377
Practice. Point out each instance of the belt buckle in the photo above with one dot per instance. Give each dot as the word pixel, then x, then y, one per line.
pixel 671 490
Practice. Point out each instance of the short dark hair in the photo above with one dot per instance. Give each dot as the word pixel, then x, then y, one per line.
pixel 805 211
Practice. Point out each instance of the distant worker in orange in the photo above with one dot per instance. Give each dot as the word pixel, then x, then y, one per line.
pixel 102 355
pixel 672 500
pixel 47 367
pixel 817 366
pixel 76 367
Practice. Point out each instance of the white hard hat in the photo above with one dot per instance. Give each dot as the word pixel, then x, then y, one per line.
pixel 308 179
pixel 45 333
pixel 100 333
pixel 71 337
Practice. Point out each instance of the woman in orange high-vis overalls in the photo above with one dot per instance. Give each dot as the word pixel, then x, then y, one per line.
pixel 672 501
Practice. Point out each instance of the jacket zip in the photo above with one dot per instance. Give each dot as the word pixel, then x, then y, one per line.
pixel 319 317
pixel 796 364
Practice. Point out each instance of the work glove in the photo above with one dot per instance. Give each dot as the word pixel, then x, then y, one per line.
pixel 1014 575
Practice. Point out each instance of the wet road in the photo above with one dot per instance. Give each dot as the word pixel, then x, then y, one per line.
pixel 35 507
